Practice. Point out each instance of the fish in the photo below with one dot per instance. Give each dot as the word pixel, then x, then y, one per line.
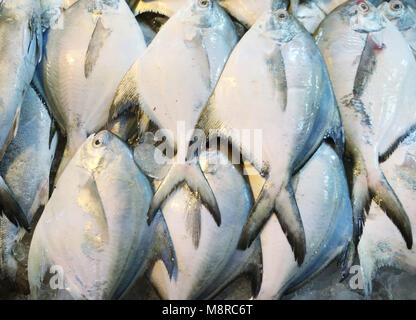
pixel 75 74
pixel 26 167
pixel 381 244
pixel 311 13
pixel 403 15
pixel 323 197
pixel 245 12
pixel 20 52
pixel 208 259
pixel 276 83
pixel 372 71
pixel 51 11
pixel 100 204
pixel 195 42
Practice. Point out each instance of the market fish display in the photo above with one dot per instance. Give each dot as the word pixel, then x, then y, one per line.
pixel 403 15
pixel 381 244
pixel 206 253
pixel 20 51
pixel 323 198
pixel 195 42
pixel 100 204
pixel 276 81
pixel 26 167
pixel 84 62
pixel 373 73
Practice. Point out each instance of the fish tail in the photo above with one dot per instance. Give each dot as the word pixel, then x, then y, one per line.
pixel 191 175
pixel 71 147
pixel 284 203
pixel 10 207
pixel 383 194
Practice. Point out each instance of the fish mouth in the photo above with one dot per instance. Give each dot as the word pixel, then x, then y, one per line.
pixel 376 40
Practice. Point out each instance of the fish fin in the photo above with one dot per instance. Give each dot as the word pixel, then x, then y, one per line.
pixel 191 175
pixel 163 247
pixel 255 270
pixel 53 137
pixel 284 203
pixel 291 222
pixel 35 28
pixel 193 219
pixel 11 207
pixel 383 157
pixel 127 93
pixel 97 41
pixel 336 134
pixel 383 194
pixel 259 215
pixel 12 132
pixel 346 260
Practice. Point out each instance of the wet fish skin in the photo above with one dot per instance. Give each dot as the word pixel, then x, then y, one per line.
pixel 196 41
pixel 208 259
pixel 381 243
pixel 93 35
pixel 403 15
pixel 323 198
pixel 19 53
pixel 100 203
pixel 26 167
pixel 373 76
pixel 296 111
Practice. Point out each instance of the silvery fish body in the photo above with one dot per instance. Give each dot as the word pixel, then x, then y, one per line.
pixel 208 259
pixel 195 42
pixel 381 244
pixel 87 54
pixel 51 10
pixel 373 73
pixel 26 168
pixel 275 82
pixel 19 53
pixel 403 15
pixel 94 228
pixel 323 198
pixel 311 13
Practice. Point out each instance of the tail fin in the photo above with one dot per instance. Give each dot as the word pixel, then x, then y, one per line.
pixel 387 200
pixel 369 183
pixel 192 175
pixel 284 203
pixel 11 208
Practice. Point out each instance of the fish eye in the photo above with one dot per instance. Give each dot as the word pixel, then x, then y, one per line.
pixel 99 140
pixel 363 7
pixel 396 5
pixel 203 3
pixel 281 15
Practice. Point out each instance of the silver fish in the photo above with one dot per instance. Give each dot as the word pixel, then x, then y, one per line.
pixel 100 204
pixel 323 198
pixel 276 81
pixel 373 73
pixel 20 51
pixel 195 42
pixel 75 73
pixel 26 167
pixel 381 244
pixel 403 15
pixel 208 259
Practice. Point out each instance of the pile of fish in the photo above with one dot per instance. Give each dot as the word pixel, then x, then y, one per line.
pixel 204 149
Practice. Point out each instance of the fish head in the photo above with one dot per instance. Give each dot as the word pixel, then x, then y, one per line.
pixel 102 149
pixel 400 13
pixel 363 17
pixel 281 26
pixel 204 14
